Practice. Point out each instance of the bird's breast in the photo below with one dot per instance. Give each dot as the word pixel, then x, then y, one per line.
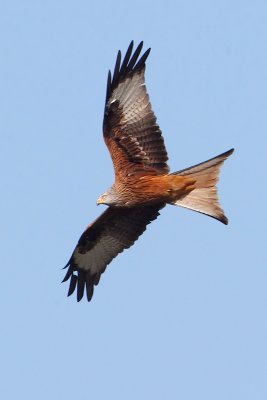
pixel 152 189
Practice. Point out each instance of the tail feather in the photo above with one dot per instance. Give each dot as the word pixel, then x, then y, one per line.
pixel 204 197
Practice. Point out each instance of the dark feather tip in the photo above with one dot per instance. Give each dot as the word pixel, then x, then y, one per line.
pixel 129 64
pixel 80 285
pixel 73 283
pixel 68 275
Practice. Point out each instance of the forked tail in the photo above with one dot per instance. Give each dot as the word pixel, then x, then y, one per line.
pixel 204 198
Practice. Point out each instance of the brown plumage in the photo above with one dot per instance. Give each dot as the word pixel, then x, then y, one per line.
pixel 143 184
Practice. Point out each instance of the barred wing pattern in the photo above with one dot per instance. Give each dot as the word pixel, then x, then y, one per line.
pixel 130 129
pixel 115 230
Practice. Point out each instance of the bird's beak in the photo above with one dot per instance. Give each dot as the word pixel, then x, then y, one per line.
pixel 99 201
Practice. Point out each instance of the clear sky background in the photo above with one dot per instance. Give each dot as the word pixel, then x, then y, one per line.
pixel 182 314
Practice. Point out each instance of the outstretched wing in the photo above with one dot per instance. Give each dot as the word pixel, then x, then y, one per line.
pixel 130 130
pixel 115 230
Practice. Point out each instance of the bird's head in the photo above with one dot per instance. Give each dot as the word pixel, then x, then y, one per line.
pixel 102 199
pixel 109 198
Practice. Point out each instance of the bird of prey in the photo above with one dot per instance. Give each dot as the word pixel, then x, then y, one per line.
pixel 143 184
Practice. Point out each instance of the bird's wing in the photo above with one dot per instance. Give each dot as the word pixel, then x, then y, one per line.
pixel 115 230
pixel 130 129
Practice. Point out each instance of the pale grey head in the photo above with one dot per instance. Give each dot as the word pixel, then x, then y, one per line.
pixel 110 198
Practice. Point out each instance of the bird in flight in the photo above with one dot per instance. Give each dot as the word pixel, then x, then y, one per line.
pixel 143 184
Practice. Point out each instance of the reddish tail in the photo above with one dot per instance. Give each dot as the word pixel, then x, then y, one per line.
pixel 204 198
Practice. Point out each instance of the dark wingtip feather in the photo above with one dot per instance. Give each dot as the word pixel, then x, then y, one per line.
pixel 142 60
pixel 117 66
pixel 108 85
pixel 80 285
pixel 68 274
pixel 73 282
pixel 89 288
pixel 67 265
pixel 127 58
pixel 128 65
pixel 135 56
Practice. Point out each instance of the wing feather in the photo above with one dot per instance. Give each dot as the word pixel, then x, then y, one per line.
pixel 73 283
pixel 130 129
pixel 127 58
pixel 117 66
pixel 135 56
pixel 115 230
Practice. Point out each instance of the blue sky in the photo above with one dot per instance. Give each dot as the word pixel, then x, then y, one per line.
pixel 182 314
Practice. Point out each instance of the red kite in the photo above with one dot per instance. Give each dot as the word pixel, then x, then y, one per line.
pixel 143 184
